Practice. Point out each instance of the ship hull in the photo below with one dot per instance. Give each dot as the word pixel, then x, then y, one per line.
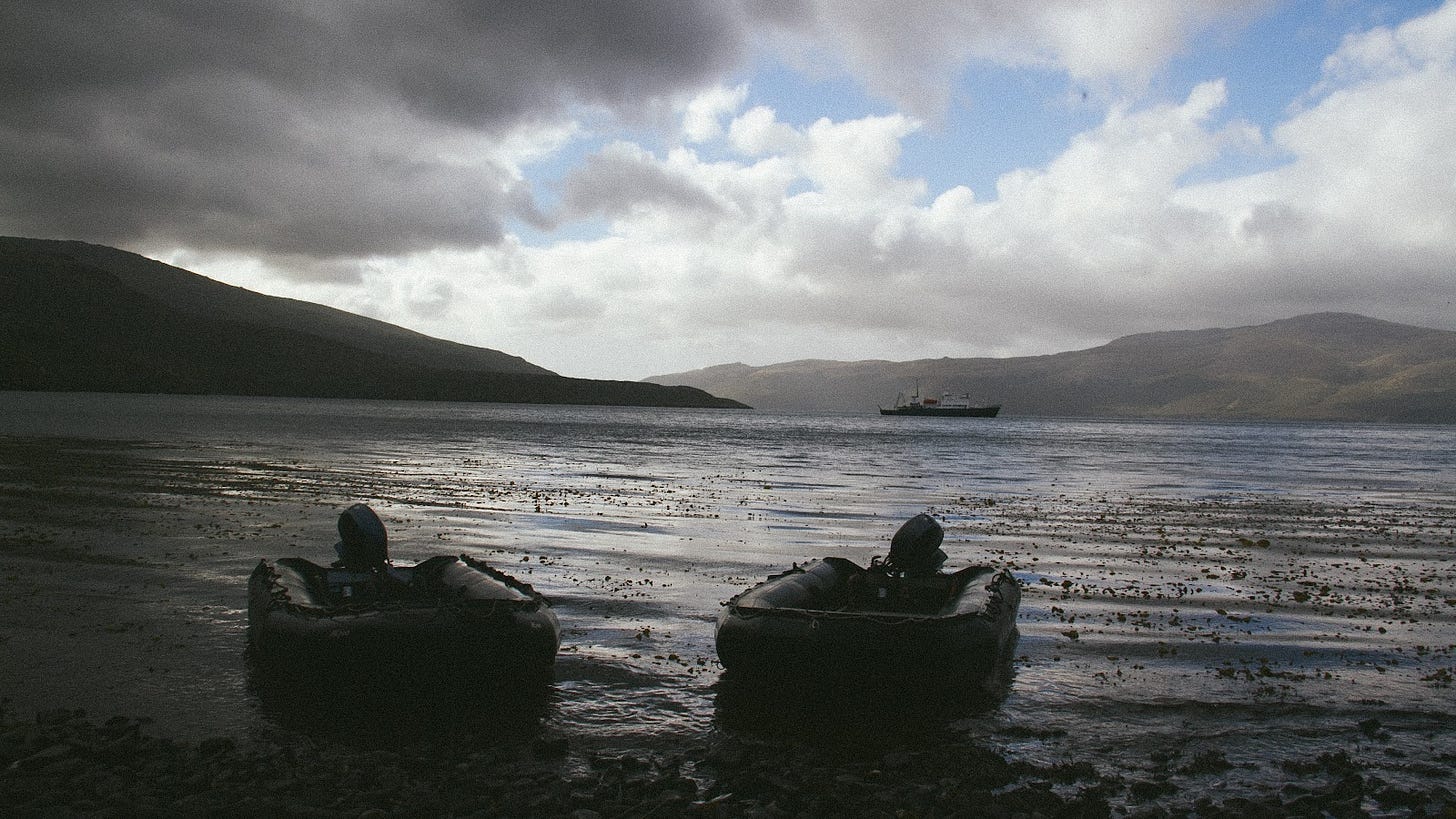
pixel 945 412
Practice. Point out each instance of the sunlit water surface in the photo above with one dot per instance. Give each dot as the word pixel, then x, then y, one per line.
pixel 1268 590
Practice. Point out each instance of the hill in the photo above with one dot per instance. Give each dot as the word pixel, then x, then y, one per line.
pixel 75 316
pixel 1325 366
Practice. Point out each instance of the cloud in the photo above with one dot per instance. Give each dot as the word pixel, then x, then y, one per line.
pixel 337 129
pixel 1365 210
pixel 623 177
pixel 323 129
pixel 702 120
pixel 912 52
pixel 855 160
pixel 389 160
pixel 758 133
pixel 821 248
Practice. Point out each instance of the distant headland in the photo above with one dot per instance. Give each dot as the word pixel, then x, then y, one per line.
pixel 1323 366
pixel 83 317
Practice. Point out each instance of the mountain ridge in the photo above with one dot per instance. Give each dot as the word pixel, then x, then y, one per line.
pixel 81 317
pixel 1319 366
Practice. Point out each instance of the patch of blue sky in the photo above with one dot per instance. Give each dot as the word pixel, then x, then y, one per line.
pixel 999 120
pixel 802 97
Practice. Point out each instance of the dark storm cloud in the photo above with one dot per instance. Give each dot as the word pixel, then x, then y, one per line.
pixel 320 128
pixel 620 178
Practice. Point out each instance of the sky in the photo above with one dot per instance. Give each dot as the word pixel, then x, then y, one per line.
pixel 627 189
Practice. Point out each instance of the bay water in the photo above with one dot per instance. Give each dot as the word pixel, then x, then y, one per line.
pixel 1219 600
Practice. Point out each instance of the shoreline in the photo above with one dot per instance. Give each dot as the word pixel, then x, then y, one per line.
pixel 62 761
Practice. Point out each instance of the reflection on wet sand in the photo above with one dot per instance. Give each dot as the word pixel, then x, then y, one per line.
pixel 857 710
pixel 403 706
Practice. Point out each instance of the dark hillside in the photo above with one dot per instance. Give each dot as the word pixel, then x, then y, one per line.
pixel 82 317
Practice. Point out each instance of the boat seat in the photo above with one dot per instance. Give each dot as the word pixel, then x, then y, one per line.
pixel 877 591
pixel 345 586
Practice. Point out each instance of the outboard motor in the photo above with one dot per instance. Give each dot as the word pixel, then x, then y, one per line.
pixel 363 544
pixel 915 549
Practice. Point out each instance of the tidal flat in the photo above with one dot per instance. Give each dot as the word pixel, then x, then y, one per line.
pixel 1214 616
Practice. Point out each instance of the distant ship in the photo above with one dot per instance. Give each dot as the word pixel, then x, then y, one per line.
pixel 947 406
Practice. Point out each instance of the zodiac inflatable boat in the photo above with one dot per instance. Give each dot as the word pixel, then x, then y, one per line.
pixel 447 612
pixel 902 617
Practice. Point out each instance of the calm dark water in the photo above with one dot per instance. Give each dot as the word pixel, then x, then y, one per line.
pixel 1267 590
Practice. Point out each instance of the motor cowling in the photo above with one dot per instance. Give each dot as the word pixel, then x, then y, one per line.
pixel 363 543
pixel 915 549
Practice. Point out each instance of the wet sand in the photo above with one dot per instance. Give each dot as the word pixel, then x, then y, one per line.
pixel 124 567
